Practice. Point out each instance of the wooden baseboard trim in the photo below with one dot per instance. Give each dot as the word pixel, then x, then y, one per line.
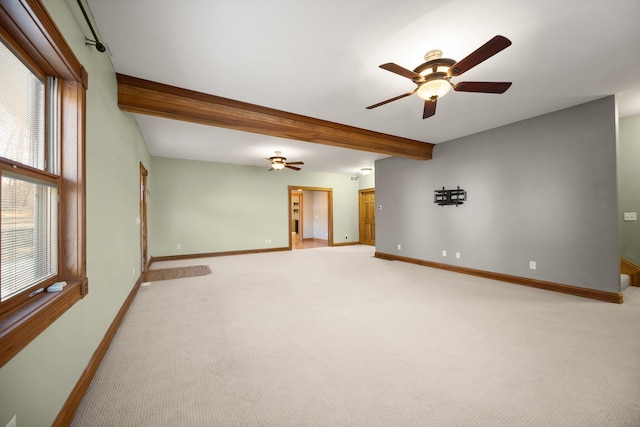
pixel 65 416
pixel 627 267
pixel 346 243
pixel 216 254
pixel 524 281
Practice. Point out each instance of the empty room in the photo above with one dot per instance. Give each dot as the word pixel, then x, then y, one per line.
pixel 316 213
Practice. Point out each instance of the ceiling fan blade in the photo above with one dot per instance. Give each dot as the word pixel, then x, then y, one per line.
pixel 291 167
pixel 429 108
pixel 395 68
pixel 271 169
pixel 392 99
pixel 484 87
pixel 295 163
pixel 479 55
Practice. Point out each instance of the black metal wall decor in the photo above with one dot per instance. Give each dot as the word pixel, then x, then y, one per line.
pixel 450 197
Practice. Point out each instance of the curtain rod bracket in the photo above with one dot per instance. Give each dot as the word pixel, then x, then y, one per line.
pixel 99 46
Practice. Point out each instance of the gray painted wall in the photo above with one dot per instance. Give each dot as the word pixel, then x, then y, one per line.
pixel 321 215
pixel 307 223
pixel 629 187
pixel 316 215
pixel 543 189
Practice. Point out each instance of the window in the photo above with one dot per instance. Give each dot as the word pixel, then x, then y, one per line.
pixel 28 196
pixel 42 174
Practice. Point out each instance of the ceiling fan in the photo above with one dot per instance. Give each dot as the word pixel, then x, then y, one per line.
pixel 433 77
pixel 278 162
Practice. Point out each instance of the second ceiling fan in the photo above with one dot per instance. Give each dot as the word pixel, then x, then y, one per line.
pixel 278 162
pixel 433 77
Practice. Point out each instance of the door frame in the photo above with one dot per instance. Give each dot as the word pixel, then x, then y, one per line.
pixel 361 213
pixel 144 258
pixel 295 188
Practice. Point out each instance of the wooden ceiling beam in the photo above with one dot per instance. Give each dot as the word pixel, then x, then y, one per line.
pixel 146 97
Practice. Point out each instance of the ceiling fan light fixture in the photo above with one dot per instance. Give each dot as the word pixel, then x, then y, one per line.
pixel 434 69
pixel 366 171
pixel 433 77
pixel 434 89
pixel 278 162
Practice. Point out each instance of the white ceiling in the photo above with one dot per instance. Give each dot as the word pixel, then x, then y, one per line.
pixel 320 58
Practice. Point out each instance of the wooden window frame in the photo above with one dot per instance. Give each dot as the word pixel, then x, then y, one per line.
pixel 30 31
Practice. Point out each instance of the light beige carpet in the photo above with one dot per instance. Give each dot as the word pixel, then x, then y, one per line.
pixel 335 337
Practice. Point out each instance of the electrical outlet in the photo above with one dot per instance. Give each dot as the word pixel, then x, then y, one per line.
pixel 399 246
pixel 268 241
pixel 458 255
pixel 133 271
pixel 12 422
pixel 630 216
pixel 178 246
pixel 444 253
pixel 346 237
pixel 532 265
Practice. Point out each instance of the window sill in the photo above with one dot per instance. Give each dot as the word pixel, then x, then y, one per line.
pixel 24 323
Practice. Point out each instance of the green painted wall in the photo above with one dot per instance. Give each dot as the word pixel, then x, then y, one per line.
pixel 35 384
pixel 629 186
pixel 215 207
pixel 367 181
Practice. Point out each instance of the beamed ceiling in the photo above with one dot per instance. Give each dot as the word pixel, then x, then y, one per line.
pixel 154 99
pixel 234 81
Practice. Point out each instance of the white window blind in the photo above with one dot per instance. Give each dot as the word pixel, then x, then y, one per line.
pixel 29 233
pixel 21 112
pixel 29 205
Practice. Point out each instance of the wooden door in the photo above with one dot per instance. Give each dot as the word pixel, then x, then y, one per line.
pixel 368 217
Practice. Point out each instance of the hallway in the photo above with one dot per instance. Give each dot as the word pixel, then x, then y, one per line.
pixel 308 244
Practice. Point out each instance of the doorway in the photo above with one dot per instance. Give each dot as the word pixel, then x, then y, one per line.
pixel 296 217
pixel 143 218
pixel 367 216
pixel 310 217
